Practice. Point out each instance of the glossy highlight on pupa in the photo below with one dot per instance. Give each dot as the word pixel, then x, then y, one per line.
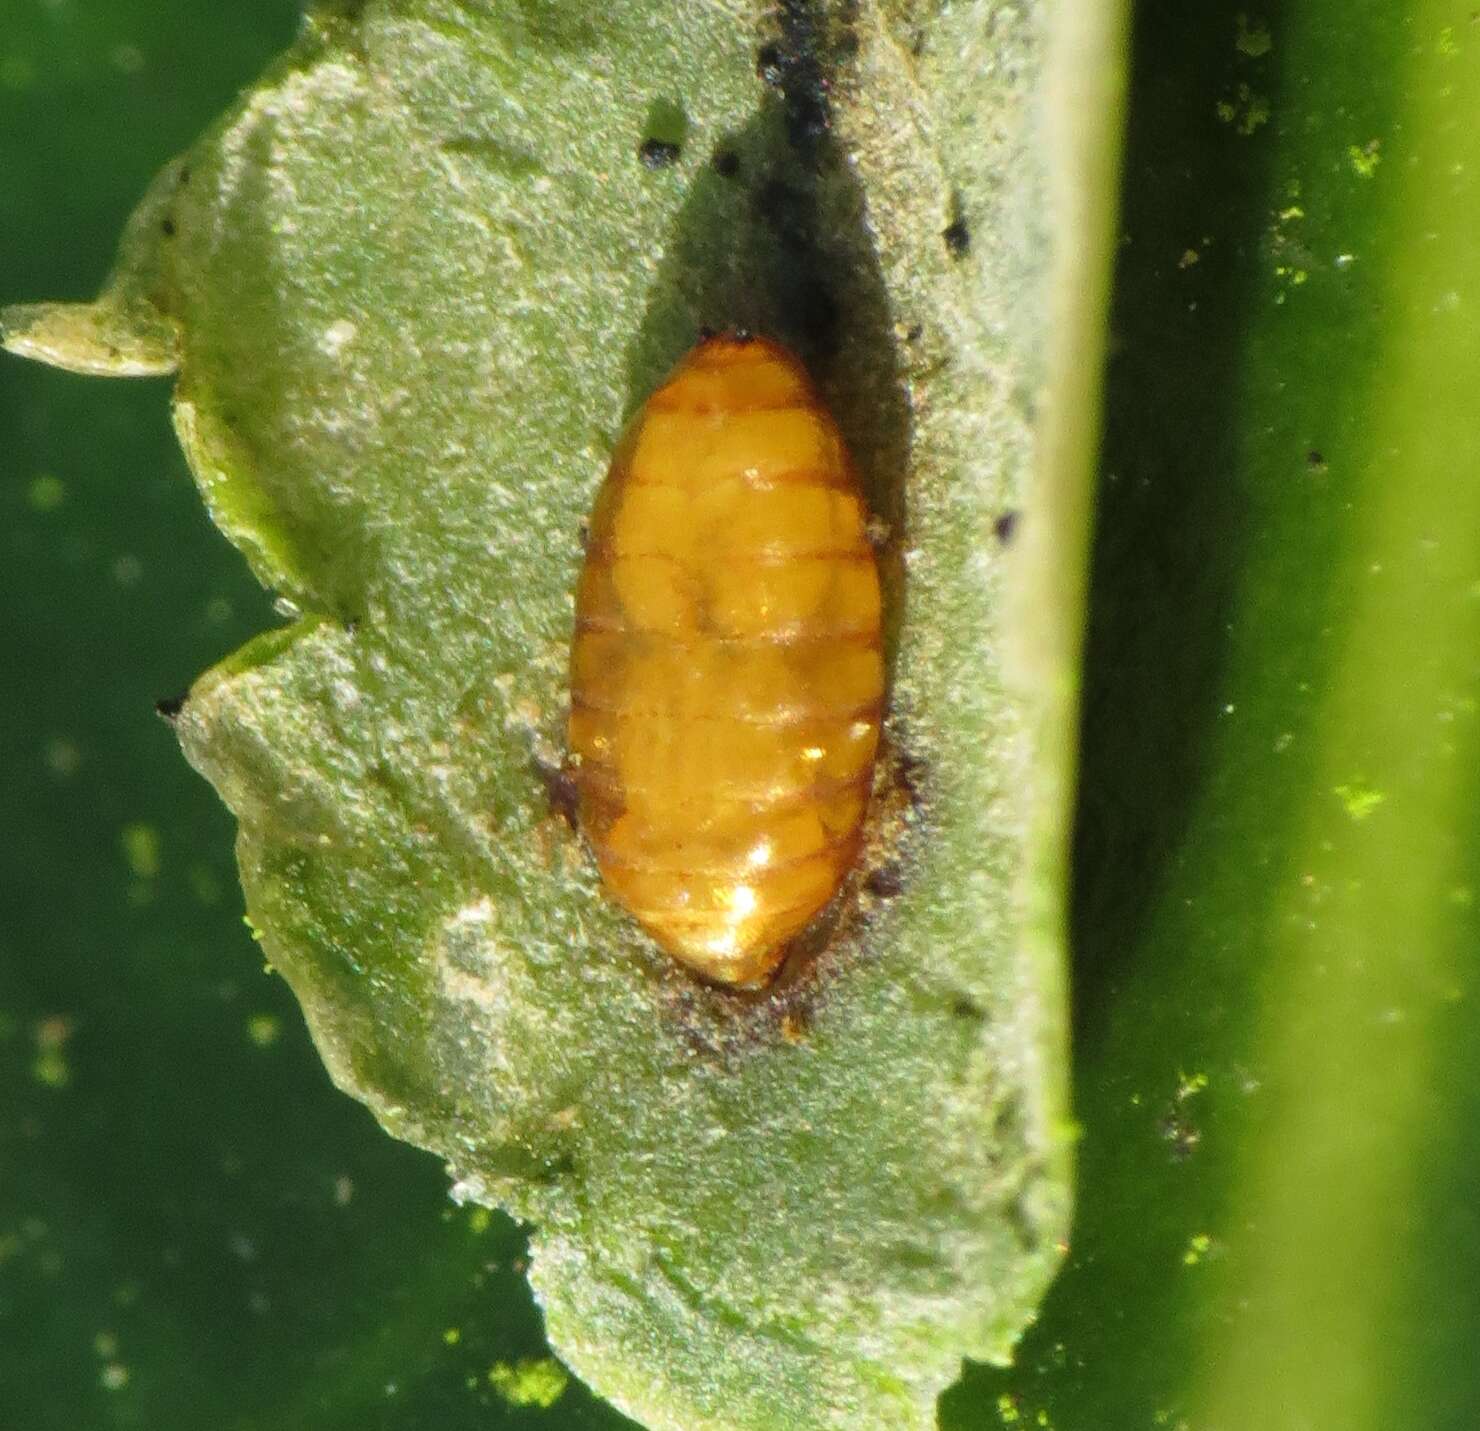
pixel 727 675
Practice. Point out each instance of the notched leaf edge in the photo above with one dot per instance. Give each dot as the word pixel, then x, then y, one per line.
pixel 127 331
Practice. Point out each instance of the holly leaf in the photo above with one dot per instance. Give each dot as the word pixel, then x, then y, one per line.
pixel 413 284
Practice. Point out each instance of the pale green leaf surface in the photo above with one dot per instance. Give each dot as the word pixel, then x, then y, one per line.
pixel 417 281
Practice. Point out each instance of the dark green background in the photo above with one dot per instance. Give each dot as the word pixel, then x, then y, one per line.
pixel 195 1212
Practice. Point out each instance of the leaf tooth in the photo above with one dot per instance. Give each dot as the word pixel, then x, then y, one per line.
pixel 102 339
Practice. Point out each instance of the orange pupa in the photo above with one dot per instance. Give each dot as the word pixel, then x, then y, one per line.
pixel 727 673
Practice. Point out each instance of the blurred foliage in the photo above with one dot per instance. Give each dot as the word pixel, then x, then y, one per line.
pixel 1277 1016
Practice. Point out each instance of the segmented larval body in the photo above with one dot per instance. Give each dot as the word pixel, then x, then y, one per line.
pixel 727 677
